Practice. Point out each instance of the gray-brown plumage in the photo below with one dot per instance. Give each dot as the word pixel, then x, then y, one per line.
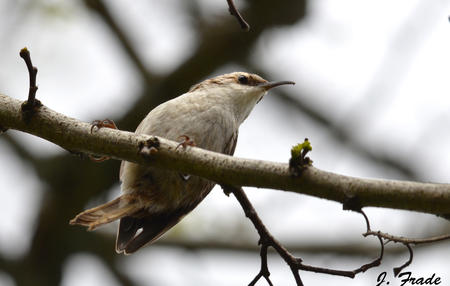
pixel 154 200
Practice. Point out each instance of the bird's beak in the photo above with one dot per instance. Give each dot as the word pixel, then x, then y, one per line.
pixel 272 84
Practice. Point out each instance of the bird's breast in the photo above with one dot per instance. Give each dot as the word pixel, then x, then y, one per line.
pixel 210 127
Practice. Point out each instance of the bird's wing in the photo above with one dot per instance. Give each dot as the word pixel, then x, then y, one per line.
pixel 143 228
pixel 156 224
pixel 152 227
pixel 231 144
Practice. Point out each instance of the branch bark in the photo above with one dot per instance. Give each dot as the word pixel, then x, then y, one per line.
pixel 76 136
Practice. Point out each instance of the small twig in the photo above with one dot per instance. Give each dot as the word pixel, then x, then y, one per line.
pixel 366 219
pixel 264 271
pixel 406 240
pixel 266 239
pixel 399 269
pixel 234 11
pixel 346 273
pixel 374 263
pixel 32 103
pixel 353 203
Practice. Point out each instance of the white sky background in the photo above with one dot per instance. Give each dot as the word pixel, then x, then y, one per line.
pixel 382 67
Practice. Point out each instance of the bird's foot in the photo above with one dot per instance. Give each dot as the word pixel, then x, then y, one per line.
pixel 97 124
pixel 105 123
pixel 186 142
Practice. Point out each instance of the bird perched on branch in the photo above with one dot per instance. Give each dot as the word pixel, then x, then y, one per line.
pixel 154 200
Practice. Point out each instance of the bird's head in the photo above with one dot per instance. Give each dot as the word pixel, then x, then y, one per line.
pixel 241 91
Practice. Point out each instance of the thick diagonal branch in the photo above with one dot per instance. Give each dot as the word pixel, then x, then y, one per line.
pixel 75 135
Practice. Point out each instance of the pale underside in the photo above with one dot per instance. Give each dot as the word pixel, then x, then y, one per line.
pixel 163 197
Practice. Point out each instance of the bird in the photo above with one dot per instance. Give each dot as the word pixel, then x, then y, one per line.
pixel 154 200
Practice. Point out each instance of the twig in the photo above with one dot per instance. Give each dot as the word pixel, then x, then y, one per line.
pixel 399 269
pixel 374 263
pixel 234 11
pixel 264 271
pixel 295 264
pixel 404 240
pixel 32 103
pixel 266 239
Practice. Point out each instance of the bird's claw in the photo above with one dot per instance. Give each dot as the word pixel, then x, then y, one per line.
pixel 105 123
pixel 98 159
pixel 186 142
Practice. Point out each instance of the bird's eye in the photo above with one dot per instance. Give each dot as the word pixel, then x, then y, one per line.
pixel 243 79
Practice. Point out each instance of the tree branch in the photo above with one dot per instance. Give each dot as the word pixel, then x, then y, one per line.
pixel 29 106
pixel 234 12
pixel 75 136
pixel 267 240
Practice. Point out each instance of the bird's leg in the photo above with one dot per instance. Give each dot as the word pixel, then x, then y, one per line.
pixel 187 141
pixel 105 123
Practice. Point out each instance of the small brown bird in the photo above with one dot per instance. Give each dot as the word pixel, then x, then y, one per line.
pixel 154 200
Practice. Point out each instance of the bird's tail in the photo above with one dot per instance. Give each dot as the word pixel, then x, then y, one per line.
pixel 105 213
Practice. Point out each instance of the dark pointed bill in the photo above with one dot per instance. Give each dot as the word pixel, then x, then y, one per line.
pixel 272 84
